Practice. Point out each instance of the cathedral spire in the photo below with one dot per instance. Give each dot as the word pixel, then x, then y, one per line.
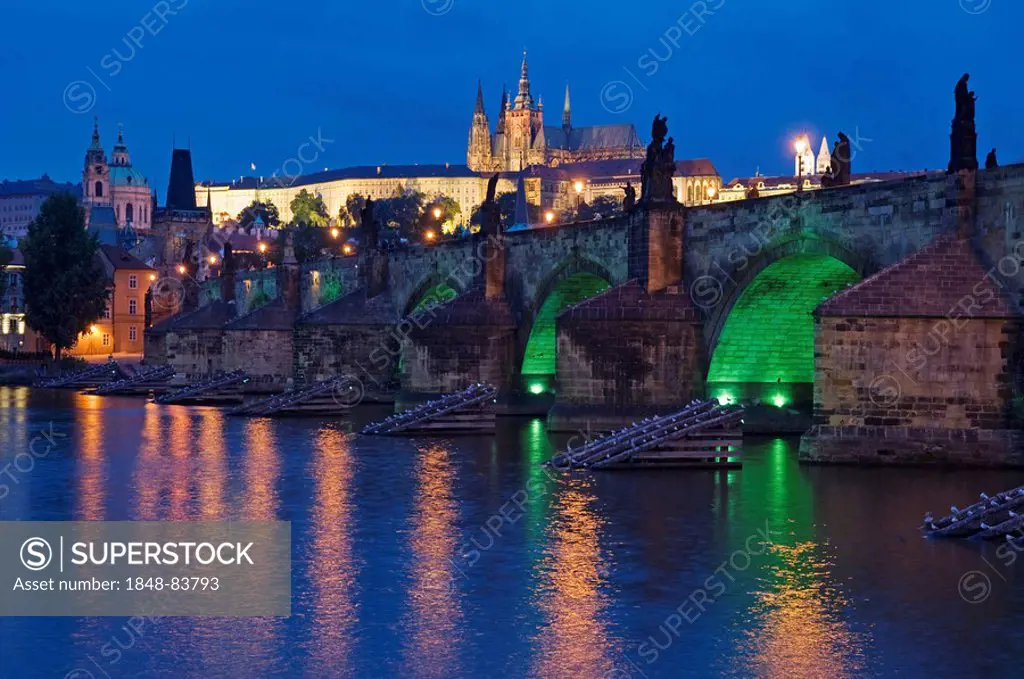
pixel 567 110
pixel 524 99
pixel 479 98
pixel 501 111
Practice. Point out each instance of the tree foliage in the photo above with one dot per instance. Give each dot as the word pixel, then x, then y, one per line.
pixel 401 213
pixel 309 241
pixel 507 210
pixel 266 210
pixel 449 210
pixel 6 255
pixel 65 285
pixel 601 208
pixel 309 209
pixel 349 214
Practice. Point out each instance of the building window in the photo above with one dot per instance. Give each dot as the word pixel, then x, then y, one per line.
pixel 106 311
pixel 99 189
pixel 106 340
pixel 133 306
pixel 133 333
pixel 129 212
pixel 133 282
pixel 21 327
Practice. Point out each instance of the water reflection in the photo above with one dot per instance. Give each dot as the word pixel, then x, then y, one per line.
pixel 432 649
pixel 262 466
pixel 569 594
pixel 801 627
pixel 92 434
pixel 332 567
pixel 212 465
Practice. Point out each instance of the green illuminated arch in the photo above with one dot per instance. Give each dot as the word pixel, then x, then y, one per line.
pixel 434 290
pixel 768 337
pixel 539 357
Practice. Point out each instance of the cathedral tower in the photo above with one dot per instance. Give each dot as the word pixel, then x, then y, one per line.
pixel 524 128
pixel 567 111
pixel 478 154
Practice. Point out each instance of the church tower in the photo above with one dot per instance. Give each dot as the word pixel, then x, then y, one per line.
pixel 824 157
pixel 567 111
pixel 96 172
pixel 478 154
pixel 524 128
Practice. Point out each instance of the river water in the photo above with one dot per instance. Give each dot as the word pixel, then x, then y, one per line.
pixel 463 557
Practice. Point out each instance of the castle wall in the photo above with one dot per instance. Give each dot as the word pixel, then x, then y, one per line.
pixel 195 354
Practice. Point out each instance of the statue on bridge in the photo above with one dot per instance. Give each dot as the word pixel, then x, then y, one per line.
pixel 629 202
pixel 963 140
pixel 370 234
pixel 990 160
pixel 839 169
pixel 659 166
pixel 490 214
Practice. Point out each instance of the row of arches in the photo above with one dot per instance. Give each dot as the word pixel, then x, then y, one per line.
pixel 759 337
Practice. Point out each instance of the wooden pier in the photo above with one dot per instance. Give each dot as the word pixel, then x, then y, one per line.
pixel 223 388
pixel 703 434
pixel 93 376
pixel 323 398
pixel 142 382
pixel 470 411
pixel 992 517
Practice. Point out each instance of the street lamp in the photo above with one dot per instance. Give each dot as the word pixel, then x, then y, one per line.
pixel 437 213
pixel 346 249
pixel 430 235
pixel 213 259
pixel 579 195
pixel 335 233
pixel 549 216
pixel 263 248
pixel 711 193
pixel 800 145
pixel 181 269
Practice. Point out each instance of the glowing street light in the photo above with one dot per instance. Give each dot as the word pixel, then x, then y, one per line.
pixel 347 249
pixel 263 248
pixel 578 186
pixel 430 235
pixel 711 193
pixel 181 269
pixel 152 276
pixel 801 145
pixel 437 213
pixel 335 233
pixel 549 216
pixel 579 196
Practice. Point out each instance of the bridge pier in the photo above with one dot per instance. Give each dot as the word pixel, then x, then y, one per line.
pixel 636 348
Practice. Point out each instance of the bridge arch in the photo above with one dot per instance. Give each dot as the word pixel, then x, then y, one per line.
pixel 760 335
pixel 571 282
pixel 433 288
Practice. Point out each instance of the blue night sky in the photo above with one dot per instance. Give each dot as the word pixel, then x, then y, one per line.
pixel 394 80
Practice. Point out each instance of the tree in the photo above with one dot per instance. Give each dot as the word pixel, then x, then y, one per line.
pixel 507 210
pixel 6 255
pixel 309 209
pixel 266 211
pixel 349 214
pixel 309 241
pixel 401 213
pixel 65 285
pixel 602 207
pixel 449 210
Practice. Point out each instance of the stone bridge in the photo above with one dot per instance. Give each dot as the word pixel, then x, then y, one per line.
pixel 640 311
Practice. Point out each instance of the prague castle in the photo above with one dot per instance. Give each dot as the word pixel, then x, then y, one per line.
pixel 560 166
pixel 521 139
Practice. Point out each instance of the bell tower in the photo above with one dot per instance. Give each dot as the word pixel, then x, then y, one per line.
pixel 96 173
